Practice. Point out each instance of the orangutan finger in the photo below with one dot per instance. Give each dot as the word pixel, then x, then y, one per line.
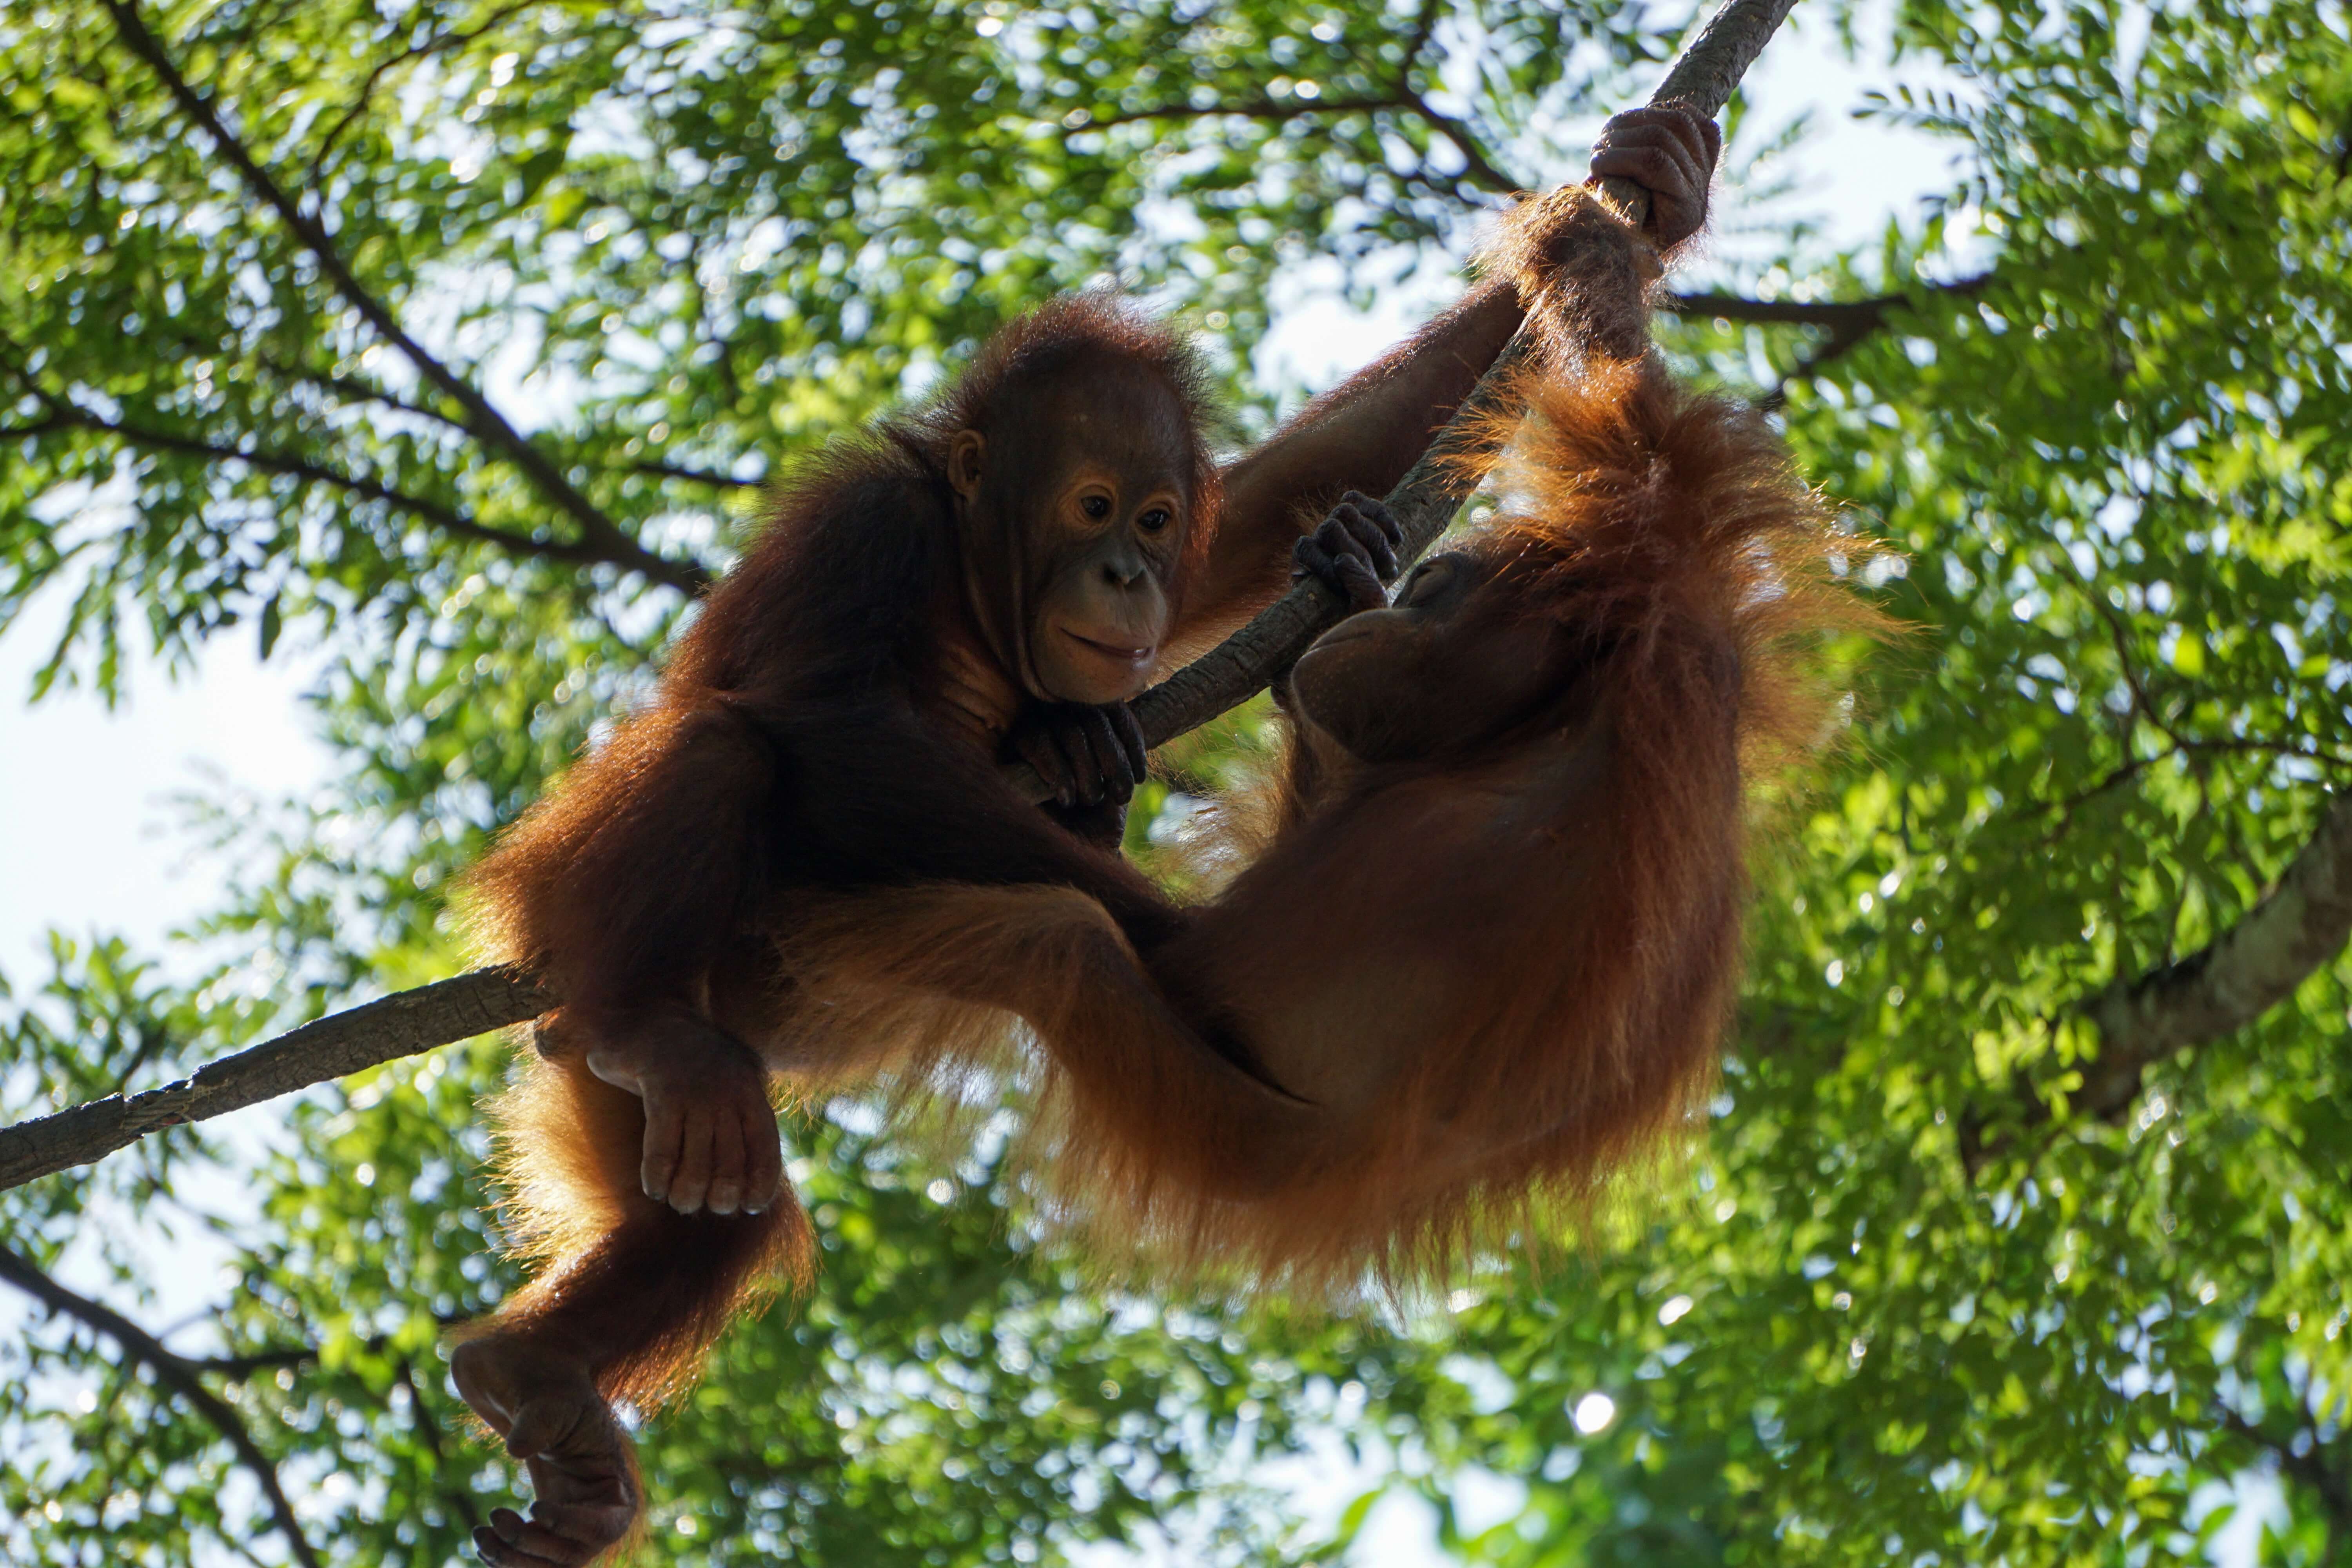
pixel 581 1529
pixel 1308 558
pixel 1114 780
pixel 1695 126
pixel 725 1164
pixel 1360 584
pixel 1672 156
pixel 1069 763
pixel 1085 768
pixel 1130 730
pixel 541 1541
pixel 1368 537
pixel 1665 169
pixel 1378 514
pixel 541 1426
pixel 764 1178
pixel 498 1553
pixel 529 1542
pixel 1042 751
pixel 1350 538
pixel 664 1130
pixel 691 1185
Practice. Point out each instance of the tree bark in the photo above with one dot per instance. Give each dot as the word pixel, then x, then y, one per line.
pixel 2299 925
pixel 2302 923
pixel 402 1024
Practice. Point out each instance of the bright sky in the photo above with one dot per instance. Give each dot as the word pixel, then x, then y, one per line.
pixel 90 842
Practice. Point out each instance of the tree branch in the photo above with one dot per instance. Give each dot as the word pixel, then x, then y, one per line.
pixel 2330 1485
pixel 415 1021
pixel 1837 315
pixel 483 420
pixel 2304 921
pixel 1847 322
pixel 358 391
pixel 1259 109
pixel 447 518
pixel 174 1373
pixel 431 45
pixel 401 1024
pixel 1478 164
pixel 697 476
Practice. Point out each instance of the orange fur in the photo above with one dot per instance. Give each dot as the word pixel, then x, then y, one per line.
pixel 1564 903
pixel 1585 272
pixel 806 733
pixel 663 1285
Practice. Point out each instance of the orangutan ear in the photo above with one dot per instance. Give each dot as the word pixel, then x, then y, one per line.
pixel 964 450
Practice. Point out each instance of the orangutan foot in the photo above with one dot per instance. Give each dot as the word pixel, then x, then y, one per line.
pixel 583 1473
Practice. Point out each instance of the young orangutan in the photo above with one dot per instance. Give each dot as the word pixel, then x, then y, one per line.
pixel 1000 569
pixel 1487 959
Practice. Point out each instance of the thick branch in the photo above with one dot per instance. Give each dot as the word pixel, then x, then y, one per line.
pixel 173 1372
pixel 398 1025
pixel 2300 924
pixel 482 419
pixel 1232 673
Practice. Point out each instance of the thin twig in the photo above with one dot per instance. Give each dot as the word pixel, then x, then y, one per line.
pixel 174 1373
pixel 368 83
pixel 483 419
pixel 1478 163
pixel 429 1432
pixel 696 476
pixel 446 519
pixel 1256 109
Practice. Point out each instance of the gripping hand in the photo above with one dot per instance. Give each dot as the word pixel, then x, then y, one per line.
pixel 1669 151
pixel 1354 551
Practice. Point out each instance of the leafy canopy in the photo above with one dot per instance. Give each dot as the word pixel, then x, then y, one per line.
pixel 446 340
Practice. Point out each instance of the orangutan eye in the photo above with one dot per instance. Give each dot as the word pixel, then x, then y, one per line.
pixel 1096 507
pixel 1155 520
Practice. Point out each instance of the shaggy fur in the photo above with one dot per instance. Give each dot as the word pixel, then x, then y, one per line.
pixel 1565 899
pixel 798 743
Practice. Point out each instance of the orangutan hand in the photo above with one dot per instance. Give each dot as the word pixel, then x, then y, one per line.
pixel 710 1132
pixel 1669 151
pixel 1353 551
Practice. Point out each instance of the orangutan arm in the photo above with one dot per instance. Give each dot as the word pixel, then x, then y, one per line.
pixel 1362 435
pixel 1365 434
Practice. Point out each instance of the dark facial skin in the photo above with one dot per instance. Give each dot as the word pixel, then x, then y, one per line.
pixel 1431 675
pixel 1100 487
